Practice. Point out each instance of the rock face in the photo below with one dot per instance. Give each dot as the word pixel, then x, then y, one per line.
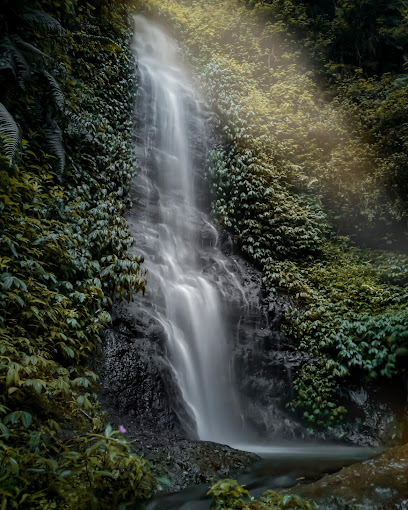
pixel 184 462
pixel 139 392
pixel 137 386
pixel 265 360
pixel 380 483
pixel 375 414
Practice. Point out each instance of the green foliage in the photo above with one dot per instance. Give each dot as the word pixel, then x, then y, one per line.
pixel 67 81
pixel 353 319
pixel 259 80
pixel 114 477
pixel 283 224
pixel 41 20
pixel 315 388
pixel 355 33
pixel 372 343
pixel 90 471
pixel 360 46
pixel 228 494
pixel 9 134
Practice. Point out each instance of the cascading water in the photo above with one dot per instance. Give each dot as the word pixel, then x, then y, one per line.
pixel 191 304
pixel 194 291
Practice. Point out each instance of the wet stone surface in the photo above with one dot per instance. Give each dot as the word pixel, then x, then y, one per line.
pixel 380 483
pixel 138 393
pixel 137 386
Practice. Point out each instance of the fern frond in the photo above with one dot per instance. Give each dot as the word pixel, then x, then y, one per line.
pixel 7 63
pixel 42 20
pixel 9 133
pixel 29 47
pixel 12 58
pixel 55 144
pixel 57 94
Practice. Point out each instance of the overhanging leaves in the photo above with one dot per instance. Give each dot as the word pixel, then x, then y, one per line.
pixel 9 134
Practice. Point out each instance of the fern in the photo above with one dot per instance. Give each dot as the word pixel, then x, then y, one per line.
pixel 9 133
pixel 55 89
pixel 42 20
pixel 13 59
pixel 55 144
pixel 30 47
pixel 7 63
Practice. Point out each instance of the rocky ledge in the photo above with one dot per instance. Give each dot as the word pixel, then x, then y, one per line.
pixel 380 483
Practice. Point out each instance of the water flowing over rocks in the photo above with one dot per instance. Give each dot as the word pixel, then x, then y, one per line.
pixel 200 355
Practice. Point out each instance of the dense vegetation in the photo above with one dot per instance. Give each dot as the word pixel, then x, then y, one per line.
pixel 316 150
pixel 305 166
pixel 359 49
pixel 67 86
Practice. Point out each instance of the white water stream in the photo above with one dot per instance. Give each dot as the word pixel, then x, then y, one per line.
pixel 185 300
pixel 191 290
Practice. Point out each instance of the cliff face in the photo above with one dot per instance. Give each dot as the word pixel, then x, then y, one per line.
pixel 296 349
pixel 287 171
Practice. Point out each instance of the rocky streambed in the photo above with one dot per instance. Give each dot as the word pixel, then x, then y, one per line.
pixel 380 483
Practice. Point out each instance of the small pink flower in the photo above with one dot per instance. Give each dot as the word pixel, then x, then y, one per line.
pixel 122 429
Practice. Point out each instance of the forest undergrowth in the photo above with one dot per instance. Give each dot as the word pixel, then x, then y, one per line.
pixel 67 82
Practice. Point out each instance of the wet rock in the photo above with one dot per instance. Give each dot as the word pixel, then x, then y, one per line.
pixel 227 243
pixel 376 484
pixel 137 386
pixel 375 415
pixel 184 461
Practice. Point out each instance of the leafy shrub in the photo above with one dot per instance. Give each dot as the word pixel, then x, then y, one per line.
pixel 359 48
pixel 66 164
pixel 228 494
pixel 90 471
pixel 282 224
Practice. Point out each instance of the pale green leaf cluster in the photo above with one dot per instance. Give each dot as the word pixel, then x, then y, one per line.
pixel 229 495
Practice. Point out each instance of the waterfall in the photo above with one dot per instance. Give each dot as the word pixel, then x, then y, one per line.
pixel 192 303
pixel 207 304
